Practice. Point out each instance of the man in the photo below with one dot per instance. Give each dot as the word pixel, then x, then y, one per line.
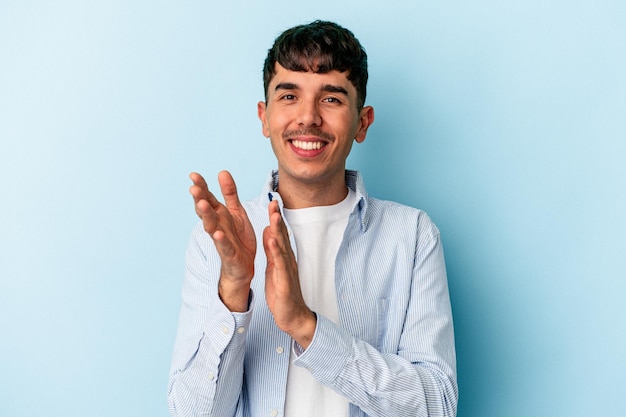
pixel 314 299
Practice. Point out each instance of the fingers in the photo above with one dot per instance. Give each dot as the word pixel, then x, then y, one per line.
pixel 268 240
pixel 206 206
pixel 278 229
pixel 276 239
pixel 200 190
pixel 276 257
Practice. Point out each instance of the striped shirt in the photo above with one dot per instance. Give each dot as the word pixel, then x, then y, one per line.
pixel 391 355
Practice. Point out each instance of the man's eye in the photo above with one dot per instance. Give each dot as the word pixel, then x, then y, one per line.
pixel 288 97
pixel 332 100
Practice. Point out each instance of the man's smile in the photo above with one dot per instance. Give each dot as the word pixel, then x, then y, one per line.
pixel 307 145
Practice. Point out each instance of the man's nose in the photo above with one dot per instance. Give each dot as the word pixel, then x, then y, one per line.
pixel 309 114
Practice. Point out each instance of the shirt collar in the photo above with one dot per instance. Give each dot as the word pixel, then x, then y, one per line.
pixel 354 181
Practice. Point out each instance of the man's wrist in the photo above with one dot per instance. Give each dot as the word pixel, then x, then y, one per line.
pixel 304 333
pixel 235 297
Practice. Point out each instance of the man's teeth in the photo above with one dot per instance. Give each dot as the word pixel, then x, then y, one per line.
pixel 309 146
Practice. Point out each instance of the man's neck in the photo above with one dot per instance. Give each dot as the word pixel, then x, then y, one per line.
pixel 296 195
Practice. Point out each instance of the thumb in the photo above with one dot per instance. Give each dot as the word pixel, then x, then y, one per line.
pixel 229 190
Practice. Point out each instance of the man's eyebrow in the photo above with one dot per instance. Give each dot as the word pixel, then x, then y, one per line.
pixel 286 86
pixel 329 88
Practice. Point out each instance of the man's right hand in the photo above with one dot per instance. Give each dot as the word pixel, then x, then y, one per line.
pixel 231 230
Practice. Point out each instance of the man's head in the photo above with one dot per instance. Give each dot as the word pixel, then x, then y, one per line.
pixel 314 111
pixel 319 47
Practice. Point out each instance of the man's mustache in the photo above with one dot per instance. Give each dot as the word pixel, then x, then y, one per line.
pixel 308 132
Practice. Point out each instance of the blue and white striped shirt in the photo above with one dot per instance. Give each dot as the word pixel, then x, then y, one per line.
pixel 392 354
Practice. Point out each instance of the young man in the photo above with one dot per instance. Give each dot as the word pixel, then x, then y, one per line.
pixel 314 299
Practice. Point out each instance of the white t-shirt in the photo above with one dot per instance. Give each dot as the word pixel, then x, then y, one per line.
pixel 318 232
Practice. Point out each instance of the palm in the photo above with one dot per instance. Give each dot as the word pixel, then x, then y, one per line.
pixel 236 243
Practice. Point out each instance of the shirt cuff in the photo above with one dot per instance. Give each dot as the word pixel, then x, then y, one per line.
pixel 329 351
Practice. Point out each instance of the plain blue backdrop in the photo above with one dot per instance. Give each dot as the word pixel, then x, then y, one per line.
pixel 505 120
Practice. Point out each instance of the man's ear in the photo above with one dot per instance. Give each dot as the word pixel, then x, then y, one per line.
pixel 261 109
pixel 366 118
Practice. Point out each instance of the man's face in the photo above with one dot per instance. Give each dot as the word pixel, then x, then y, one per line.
pixel 311 120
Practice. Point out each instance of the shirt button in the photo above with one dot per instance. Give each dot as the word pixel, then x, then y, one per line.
pixel 224 329
pixel 211 376
pixel 279 350
pixel 273 413
pixel 241 330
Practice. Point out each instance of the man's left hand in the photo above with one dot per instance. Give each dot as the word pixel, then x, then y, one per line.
pixel 282 283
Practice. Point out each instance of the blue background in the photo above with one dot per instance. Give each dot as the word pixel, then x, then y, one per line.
pixel 505 120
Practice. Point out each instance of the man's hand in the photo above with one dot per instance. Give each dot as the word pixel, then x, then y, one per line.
pixel 233 235
pixel 282 284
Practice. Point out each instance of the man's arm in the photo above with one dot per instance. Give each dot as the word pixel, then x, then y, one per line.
pixel 207 366
pixel 419 379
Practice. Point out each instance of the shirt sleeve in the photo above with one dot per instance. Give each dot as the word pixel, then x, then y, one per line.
pixel 206 374
pixel 420 378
